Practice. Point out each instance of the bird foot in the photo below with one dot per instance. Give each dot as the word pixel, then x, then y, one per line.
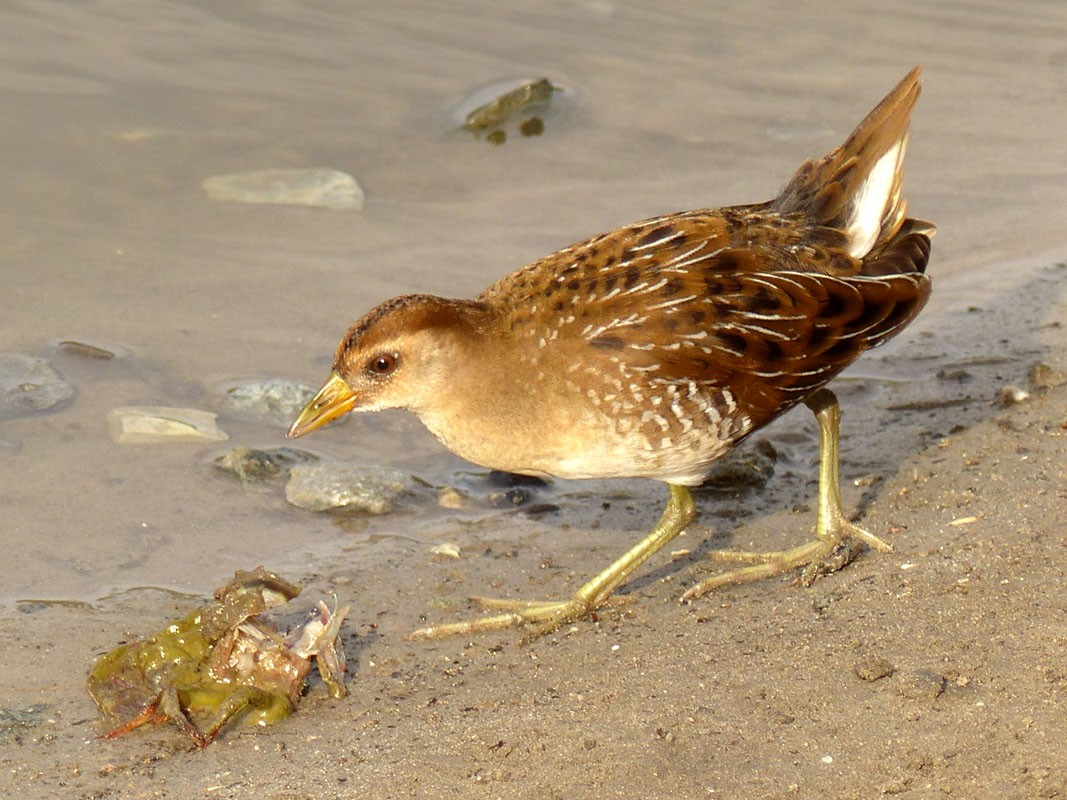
pixel 833 549
pixel 537 617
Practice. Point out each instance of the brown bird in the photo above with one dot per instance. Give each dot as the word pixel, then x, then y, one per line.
pixel 653 350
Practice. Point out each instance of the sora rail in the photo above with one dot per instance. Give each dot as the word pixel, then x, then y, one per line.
pixel 653 350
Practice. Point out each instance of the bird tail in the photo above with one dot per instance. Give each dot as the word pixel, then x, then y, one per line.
pixel 857 188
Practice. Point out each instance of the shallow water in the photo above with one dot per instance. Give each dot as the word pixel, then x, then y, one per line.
pixel 115 112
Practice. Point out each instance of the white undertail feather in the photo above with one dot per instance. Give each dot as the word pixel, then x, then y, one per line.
pixel 876 195
pixel 857 188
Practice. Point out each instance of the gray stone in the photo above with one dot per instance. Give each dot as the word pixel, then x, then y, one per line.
pixel 325 487
pixel 325 188
pixel 273 401
pixel 28 385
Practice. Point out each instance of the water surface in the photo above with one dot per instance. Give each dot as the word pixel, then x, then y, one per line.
pixel 114 112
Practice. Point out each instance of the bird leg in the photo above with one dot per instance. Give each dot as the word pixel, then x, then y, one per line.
pixel 545 616
pixel 837 541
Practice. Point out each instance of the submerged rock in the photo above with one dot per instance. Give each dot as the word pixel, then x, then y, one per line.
pixel 520 106
pixel 255 466
pixel 326 487
pixel 28 385
pixel 86 349
pixel 523 98
pixel 273 401
pixel 152 424
pixel 321 187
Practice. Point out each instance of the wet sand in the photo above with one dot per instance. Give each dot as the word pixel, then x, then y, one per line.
pixel 115 113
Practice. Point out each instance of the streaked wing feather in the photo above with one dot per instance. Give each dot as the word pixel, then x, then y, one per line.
pixel 770 337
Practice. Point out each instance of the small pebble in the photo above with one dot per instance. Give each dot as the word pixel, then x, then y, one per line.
pixel 664 735
pixel 872 668
pixel 450 497
pixel 321 187
pixel 446 550
pixel 1012 396
pixel 325 487
pixel 921 684
pixel 28 385
pixel 154 424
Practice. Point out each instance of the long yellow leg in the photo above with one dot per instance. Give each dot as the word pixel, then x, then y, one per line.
pixel 837 541
pixel 546 616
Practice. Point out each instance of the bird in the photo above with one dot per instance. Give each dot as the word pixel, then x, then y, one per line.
pixel 652 350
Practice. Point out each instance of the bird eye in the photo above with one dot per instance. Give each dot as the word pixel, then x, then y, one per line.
pixel 382 364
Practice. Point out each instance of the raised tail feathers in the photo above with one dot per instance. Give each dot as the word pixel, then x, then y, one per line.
pixel 857 188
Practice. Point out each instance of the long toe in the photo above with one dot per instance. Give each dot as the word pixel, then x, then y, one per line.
pixel 536 617
pixel 836 547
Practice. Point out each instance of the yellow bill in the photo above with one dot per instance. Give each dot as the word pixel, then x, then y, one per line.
pixel 333 400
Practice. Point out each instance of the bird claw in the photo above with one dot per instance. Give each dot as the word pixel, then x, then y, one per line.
pixel 838 558
pixel 834 549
